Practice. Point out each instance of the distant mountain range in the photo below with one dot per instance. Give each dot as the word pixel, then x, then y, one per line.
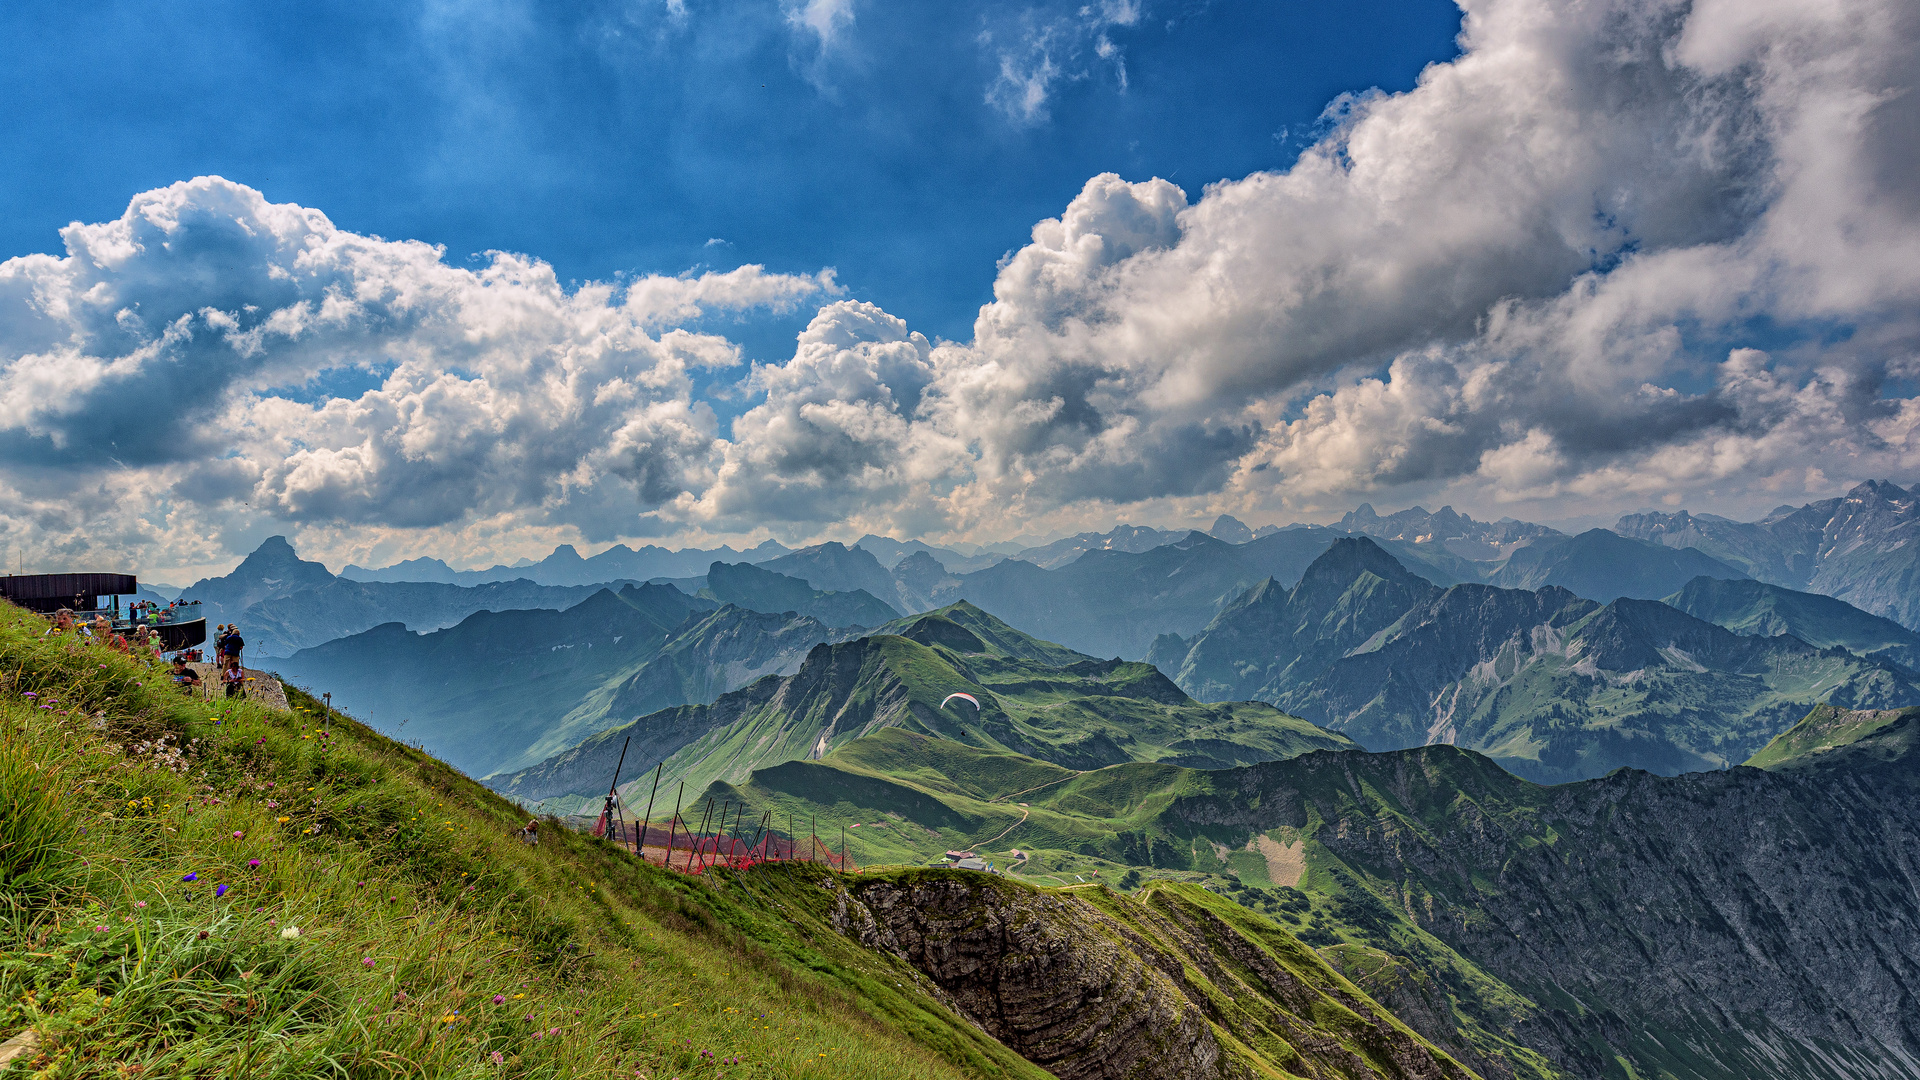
pixel 283 603
pixel 1863 547
pixel 759 588
pixel 1476 541
pixel 500 688
pixel 1552 685
pixel 1860 548
pixel 504 689
pixel 1035 698
pixel 566 566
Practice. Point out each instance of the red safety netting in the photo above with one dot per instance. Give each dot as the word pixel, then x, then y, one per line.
pixel 674 844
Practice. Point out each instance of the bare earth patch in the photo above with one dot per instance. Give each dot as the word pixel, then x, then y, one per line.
pixel 1285 862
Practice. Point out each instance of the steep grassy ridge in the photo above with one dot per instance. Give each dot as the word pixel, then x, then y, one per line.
pixel 1084 715
pixel 158 856
pixel 1888 732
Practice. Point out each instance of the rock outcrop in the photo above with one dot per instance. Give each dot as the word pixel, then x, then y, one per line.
pixel 1091 985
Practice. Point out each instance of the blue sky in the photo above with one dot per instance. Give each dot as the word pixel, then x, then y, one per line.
pixel 621 138
pixel 1093 263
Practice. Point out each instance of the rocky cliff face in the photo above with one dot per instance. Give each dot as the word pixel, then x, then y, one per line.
pixel 1105 988
pixel 1737 924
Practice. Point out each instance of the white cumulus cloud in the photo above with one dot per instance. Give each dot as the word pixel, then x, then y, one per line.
pixel 1616 250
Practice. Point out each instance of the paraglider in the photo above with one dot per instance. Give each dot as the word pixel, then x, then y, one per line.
pixel 964 697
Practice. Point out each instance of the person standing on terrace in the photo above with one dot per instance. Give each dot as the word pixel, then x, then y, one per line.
pixel 234 678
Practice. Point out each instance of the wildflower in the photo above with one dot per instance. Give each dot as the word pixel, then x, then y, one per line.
pixel 290 932
pixel 499 999
pixel 30 694
pixel 99 929
pixel 253 864
pixel 219 891
pixel 191 877
pixel 238 835
pixel 283 820
pixel 498 1058
pixel 139 903
pixel 553 1031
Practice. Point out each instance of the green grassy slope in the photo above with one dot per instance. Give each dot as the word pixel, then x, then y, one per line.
pixel 983 633
pixel 898 797
pixel 1605 928
pixel 215 890
pixel 1827 729
pixel 1084 715
pixel 138 936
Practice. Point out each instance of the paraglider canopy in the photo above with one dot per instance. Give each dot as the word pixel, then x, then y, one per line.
pixel 963 697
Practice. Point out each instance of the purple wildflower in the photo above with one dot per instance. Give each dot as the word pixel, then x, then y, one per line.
pixel 253 864
pixel 191 877
pixel 499 999
pixel 219 891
